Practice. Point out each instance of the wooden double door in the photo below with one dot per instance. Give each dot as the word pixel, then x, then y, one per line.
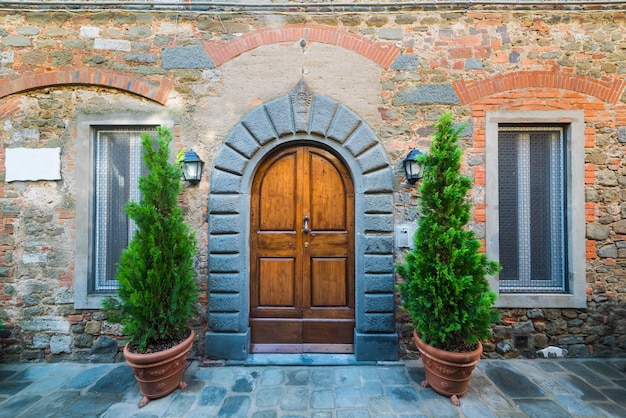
pixel 302 253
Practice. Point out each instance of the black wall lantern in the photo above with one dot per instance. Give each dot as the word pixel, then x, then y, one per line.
pixel 192 167
pixel 412 169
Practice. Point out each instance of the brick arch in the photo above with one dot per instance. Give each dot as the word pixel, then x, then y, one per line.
pixel 382 53
pixel 157 91
pixel 607 89
pixel 301 117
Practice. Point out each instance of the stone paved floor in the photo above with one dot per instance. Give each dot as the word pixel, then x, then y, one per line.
pixel 511 388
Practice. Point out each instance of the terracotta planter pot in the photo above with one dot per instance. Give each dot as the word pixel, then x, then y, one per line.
pixel 159 374
pixel 448 373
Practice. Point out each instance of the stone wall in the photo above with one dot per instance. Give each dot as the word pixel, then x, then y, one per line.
pixel 397 70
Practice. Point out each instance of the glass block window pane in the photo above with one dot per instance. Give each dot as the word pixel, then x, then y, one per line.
pixel 532 209
pixel 118 166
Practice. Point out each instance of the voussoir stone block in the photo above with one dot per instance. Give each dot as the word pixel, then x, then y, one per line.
pixel 362 139
pixel 224 204
pixel 323 113
pixel 379 181
pixel 279 111
pixel 258 124
pixel 345 122
pixel 223 182
pixel 243 141
pixel 373 159
pixel 230 160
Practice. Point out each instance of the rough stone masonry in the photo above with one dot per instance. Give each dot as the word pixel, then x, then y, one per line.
pixel 208 69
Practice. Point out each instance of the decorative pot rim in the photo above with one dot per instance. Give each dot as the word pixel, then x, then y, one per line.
pixel 467 358
pixel 156 357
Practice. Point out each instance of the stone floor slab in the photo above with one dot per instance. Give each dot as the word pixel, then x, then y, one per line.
pixel 92 404
pixel 115 382
pixel 234 406
pixel 347 377
pixel 403 399
pixel 265 414
pixel 438 405
pixel 608 409
pixel 46 386
pixel 358 413
pixel 13 387
pixel 617 395
pixel 581 370
pixel 295 399
pixel 393 376
pixel 512 383
pixel 606 369
pixel 7 373
pixel 350 397
pixel 582 389
pixel 180 406
pixel 323 399
pixel 473 407
pixel 322 377
pixel 18 404
pixel 574 406
pixel 36 372
pixel 272 377
pixel 269 397
pixel 86 377
pixel 212 396
pixel 53 403
pixel 542 408
pixel 298 377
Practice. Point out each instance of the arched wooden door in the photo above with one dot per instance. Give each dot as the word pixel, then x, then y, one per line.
pixel 302 253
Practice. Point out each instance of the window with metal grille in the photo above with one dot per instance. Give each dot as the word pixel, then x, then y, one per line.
pixel 532 209
pixel 117 168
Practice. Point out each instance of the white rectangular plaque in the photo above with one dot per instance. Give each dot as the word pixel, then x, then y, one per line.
pixel 32 164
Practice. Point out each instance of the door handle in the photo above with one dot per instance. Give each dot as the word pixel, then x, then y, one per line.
pixel 306 225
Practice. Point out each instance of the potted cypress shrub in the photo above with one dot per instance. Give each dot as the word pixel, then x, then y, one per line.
pixel 156 276
pixel 444 288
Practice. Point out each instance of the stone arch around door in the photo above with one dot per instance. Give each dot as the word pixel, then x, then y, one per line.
pixel 305 117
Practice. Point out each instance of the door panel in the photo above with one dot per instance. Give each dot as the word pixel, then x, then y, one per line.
pixel 302 253
pixel 329 286
pixel 277 282
pixel 277 201
pixel 327 196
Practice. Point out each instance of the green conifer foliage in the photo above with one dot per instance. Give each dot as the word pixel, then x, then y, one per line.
pixel 445 290
pixel 156 274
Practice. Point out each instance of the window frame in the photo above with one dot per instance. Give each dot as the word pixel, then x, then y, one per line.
pixel 574 137
pixel 86 126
